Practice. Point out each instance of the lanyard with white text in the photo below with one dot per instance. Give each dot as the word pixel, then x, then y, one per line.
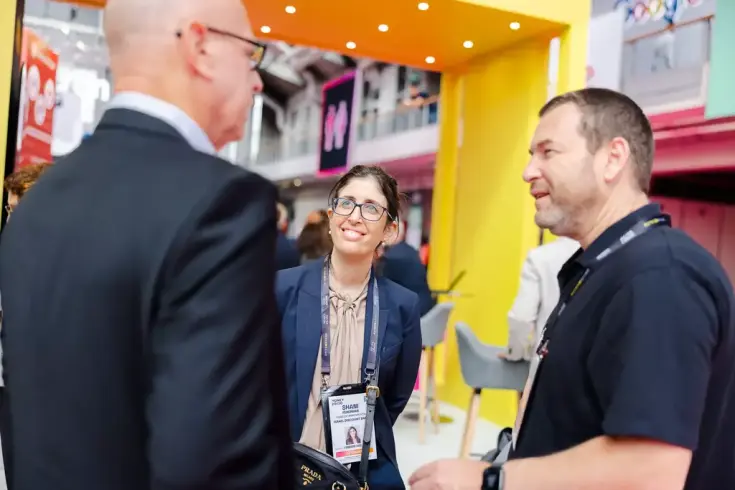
pixel 637 230
pixel 371 365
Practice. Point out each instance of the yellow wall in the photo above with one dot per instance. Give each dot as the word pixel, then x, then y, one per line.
pixel 482 212
pixel 442 212
pixel 8 44
pixel 492 227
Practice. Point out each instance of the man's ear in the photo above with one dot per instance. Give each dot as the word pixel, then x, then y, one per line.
pixel 618 157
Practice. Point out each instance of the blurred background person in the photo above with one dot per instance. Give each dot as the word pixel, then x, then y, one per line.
pixel 538 294
pixel 287 254
pixel 141 339
pixel 418 97
pixel 401 263
pixel 18 183
pixel 318 216
pixel 314 241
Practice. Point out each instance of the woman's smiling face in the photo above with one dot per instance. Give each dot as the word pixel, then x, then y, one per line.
pixel 358 218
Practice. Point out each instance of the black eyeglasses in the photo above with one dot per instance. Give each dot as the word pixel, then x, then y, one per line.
pixel 368 210
pixel 256 57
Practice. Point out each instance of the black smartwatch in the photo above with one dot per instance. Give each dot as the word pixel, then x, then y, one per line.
pixel 492 478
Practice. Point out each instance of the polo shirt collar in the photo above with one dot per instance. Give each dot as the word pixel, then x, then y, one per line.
pixel 586 258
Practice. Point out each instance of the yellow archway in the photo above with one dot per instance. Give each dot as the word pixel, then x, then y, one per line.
pixel 482 214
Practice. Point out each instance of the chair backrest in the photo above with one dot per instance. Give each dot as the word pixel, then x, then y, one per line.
pixel 434 324
pixel 468 345
pixel 482 367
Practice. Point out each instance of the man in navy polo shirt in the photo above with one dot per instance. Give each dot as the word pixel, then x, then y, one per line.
pixel 635 387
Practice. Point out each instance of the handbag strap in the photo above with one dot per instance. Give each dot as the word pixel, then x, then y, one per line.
pixel 373 392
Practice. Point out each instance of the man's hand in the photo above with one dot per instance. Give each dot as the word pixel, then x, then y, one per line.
pixel 449 474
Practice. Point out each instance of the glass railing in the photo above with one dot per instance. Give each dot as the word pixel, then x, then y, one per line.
pixel 405 118
pixel 274 148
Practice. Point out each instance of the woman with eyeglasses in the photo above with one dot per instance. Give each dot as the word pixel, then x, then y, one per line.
pixel 345 328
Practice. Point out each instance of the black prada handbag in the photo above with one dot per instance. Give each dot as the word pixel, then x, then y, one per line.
pixel 320 471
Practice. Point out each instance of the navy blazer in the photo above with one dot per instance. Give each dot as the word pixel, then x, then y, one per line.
pixel 298 293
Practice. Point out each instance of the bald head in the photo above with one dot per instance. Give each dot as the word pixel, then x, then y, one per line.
pixel 198 55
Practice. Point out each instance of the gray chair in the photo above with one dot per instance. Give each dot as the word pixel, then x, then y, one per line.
pixel 483 369
pixel 433 328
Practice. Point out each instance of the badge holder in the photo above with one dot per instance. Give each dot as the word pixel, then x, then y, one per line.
pixel 349 410
pixel 345 408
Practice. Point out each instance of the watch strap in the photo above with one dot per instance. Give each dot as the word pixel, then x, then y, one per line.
pixel 492 478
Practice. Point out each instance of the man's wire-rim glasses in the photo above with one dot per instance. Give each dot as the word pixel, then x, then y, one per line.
pixel 256 57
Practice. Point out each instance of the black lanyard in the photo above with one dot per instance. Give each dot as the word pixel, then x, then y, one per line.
pixel 371 364
pixel 637 230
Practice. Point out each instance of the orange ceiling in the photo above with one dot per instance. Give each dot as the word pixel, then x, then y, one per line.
pixel 413 34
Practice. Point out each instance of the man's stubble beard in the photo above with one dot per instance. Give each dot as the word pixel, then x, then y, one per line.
pixel 565 218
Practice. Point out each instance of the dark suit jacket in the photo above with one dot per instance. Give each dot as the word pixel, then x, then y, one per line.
pixel 141 330
pixel 399 345
pixel 401 264
pixel 287 255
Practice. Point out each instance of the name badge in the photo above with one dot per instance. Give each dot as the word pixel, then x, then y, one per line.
pixel 344 410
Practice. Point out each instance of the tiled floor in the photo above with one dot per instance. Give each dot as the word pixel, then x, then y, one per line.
pixel 412 455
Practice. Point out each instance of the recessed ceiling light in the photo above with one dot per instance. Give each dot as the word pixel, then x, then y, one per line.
pixel 351 45
pixel 515 25
pixel 383 28
pixel 265 29
pixel 423 6
pixel 468 44
pixel 290 9
pixel 430 59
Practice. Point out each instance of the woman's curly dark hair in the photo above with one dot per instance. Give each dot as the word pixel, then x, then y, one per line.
pixel 23 179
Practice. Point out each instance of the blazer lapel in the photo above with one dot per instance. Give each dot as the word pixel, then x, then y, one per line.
pixel 308 335
pixel 382 321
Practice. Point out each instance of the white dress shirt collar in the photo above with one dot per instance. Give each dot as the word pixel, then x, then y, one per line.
pixel 168 113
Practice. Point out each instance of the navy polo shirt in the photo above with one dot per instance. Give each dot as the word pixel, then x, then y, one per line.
pixel 645 348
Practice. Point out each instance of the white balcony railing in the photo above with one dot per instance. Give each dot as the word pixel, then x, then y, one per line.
pixel 403 133
pixel 667 70
pixel 273 150
pixel 404 118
